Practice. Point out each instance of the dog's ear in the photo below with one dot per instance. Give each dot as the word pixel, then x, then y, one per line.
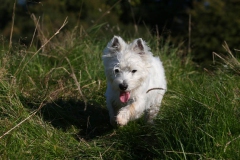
pixel 140 44
pixel 116 44
pixel 140 47
pixel 114 47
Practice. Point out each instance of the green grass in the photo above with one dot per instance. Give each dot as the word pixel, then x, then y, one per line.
pixel 45 113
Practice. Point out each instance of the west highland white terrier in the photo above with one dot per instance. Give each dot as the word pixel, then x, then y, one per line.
pixel 135 81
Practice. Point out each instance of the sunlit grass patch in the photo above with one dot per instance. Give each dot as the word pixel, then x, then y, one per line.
pixel 53 107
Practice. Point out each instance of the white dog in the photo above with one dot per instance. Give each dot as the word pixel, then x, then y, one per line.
pixel 135 81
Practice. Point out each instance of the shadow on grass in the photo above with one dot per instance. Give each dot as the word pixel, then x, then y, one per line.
pixel 63 114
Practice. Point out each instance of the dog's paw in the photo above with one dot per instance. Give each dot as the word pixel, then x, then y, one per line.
pixel 122 118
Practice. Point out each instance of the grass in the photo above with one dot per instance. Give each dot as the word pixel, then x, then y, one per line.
pixel 43 111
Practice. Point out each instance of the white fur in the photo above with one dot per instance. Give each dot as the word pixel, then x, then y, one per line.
pixel 133 65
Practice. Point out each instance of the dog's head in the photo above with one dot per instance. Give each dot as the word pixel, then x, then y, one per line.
pixel 126 65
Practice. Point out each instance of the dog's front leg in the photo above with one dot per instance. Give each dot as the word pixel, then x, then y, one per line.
pixel 130 112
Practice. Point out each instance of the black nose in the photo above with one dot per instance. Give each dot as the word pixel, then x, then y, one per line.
pixel 123 86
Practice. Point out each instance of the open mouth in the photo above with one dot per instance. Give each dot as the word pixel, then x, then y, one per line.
pixel 124 96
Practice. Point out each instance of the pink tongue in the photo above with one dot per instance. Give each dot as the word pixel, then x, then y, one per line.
pixel 124 96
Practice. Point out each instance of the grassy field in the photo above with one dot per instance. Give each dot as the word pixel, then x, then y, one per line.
pixel 52 106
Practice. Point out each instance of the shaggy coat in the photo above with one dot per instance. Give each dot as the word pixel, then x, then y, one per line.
pixel 135 81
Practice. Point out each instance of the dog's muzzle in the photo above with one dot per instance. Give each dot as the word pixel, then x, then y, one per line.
pixel 123 86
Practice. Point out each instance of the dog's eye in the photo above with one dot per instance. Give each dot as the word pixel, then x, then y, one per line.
pixel 116 70
pixel 133 71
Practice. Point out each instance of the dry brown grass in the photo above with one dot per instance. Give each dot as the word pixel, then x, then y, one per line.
pixel 230 60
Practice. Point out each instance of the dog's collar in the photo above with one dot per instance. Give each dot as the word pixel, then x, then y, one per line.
pixel 154 89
